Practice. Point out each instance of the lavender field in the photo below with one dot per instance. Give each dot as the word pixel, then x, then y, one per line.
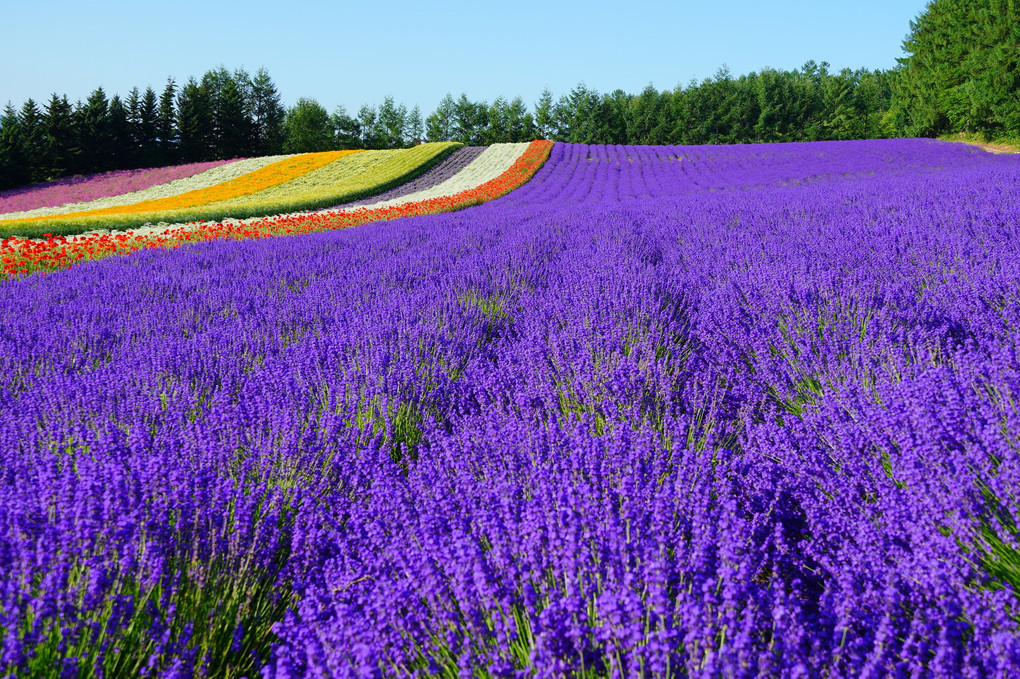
pixel 738 411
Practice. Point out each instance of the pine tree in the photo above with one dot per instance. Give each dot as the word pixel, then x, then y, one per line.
pixel 121 146
pixel 60 137
pixel 469 121
pixel 33 130
pixel 439 123
pixel 962 70
pixel 93 133
pixel 267 116
pixel 368 123
pixel 14 168
pixel 147 129
pixel 132 106
pixel 497 131
pixel 346 131
pixel 194 122
pixel 234 124
pixel 520 125
pixel 544 120
pixel 392 123
pixel 415 126
pixel 309 128
pixel 166 125
pixel 580 110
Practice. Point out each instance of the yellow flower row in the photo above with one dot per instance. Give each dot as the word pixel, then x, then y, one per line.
pixel 280 172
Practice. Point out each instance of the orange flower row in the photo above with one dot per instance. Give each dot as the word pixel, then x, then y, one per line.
pixel 19 256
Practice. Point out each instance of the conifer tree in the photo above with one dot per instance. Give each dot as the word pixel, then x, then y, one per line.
pixel 545 127
pixel 308 128
pixel 121 144
pixel 962 70
pixel 520 125
pixel 392 119
pixel 368 123
pixel 33 131
pixel 147 129
pixel 415 125
pixel 234 130
pixel 92 122
pixel 60 137
pixel 194 122
pixel 346 130
pixel 131 106
pixel 470 119
pixel 166 125
pixel 268 116
pixel 14 168
pixel 439 123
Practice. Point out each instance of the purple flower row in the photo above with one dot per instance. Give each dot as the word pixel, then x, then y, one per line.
pixel 700 411
pixel 78 189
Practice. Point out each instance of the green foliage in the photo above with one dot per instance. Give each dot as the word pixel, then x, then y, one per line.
pixel 194 121
pixel 120 134
pixel 59 151
pixel 166 128
pixel 469 121
pixel 439 124
pixel 308 128
pixel 268 116
pixel 392 124
pixel 346 130
pixel 14 167
pixel 962 70
pixel 92 123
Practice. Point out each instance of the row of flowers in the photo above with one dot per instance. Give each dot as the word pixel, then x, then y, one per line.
pixel 19 256
pixel 492 163
pixel 273 174
pixel 295 183
pixel 25 200
pixel 364 174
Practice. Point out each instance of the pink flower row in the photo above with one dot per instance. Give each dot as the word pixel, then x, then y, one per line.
pixel 80 188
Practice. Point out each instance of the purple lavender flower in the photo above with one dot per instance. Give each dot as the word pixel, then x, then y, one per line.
pixel 663 411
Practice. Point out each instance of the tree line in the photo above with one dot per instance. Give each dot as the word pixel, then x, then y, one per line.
pixel 961 73
pixel 806 104
pixel 222 115
pixel 233 114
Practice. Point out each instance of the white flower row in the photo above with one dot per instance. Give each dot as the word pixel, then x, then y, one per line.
pixel 489 164
pixel 202 180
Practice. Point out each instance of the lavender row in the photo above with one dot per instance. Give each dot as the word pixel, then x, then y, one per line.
pixel 688 411
pixel 78 189
pixel 449 167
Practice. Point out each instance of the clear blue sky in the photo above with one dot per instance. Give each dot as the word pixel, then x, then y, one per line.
pixel 359 52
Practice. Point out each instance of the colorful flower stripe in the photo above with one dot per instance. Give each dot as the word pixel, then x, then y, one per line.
pixel 86 188
pixel 224 172
pixel 345 179
pixel 275 173
pixel 492 163
pixel 20 256
pixel 366 173
pixel 453 164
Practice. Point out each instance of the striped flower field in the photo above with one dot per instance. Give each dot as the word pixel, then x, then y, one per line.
pixel 548 410
pixel 489 174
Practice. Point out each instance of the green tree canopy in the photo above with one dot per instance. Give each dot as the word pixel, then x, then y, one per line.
pixel 308 128
pixel 962 70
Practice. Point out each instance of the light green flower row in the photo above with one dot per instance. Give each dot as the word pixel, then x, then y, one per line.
pixel 358 175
